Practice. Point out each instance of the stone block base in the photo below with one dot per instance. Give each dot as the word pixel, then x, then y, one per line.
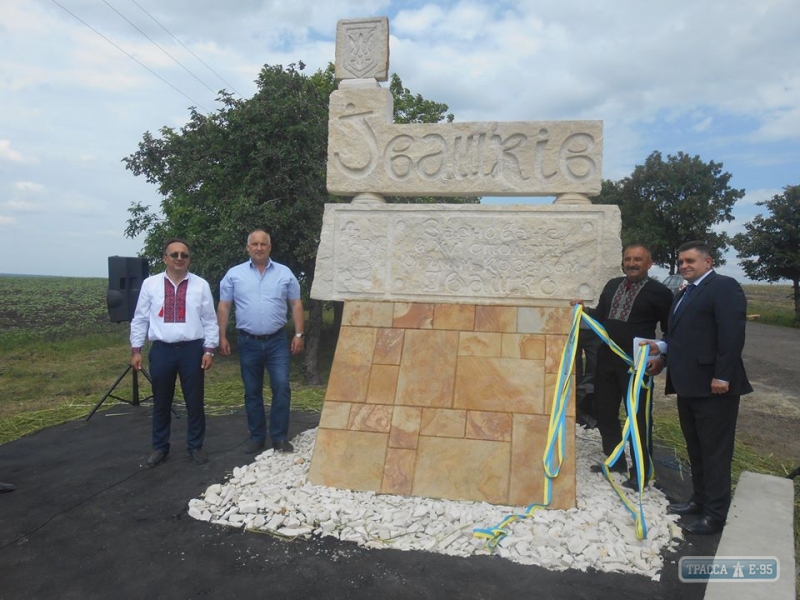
pixel 445 401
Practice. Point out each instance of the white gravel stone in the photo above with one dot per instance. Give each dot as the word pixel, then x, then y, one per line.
pixel 272 494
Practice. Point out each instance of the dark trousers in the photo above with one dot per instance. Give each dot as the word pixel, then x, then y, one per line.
pixel 167 362
pixel 709 428
pixel 610 387
pixel 585 366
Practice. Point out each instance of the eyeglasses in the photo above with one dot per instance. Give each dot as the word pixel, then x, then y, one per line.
pixel 179 254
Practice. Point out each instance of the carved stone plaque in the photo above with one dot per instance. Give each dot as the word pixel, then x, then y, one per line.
pixel 362 49
pixel 514 254
pixel 369 153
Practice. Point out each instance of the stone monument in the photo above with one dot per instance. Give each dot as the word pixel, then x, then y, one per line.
pixel 455 316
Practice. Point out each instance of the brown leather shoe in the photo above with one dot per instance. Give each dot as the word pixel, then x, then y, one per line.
pixel 685 508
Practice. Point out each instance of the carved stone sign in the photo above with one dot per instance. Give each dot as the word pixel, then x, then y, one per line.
pixel 368 153
pixel 362 49
pixel 517 255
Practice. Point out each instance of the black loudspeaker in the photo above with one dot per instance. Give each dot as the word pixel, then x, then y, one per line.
pixel 125 277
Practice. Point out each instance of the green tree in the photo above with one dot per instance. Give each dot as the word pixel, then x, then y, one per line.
pixel 409 108
pixel 258 162
pixel 769 250
pixel 667 203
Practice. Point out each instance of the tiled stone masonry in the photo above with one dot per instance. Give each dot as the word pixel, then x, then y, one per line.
pixel 445 401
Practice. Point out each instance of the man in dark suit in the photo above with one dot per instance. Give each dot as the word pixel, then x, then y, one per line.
pixel 703 355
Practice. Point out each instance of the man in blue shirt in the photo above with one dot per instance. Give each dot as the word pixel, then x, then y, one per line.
pixel 261 290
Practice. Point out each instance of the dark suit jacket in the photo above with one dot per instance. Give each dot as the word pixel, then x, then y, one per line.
pixel 706 339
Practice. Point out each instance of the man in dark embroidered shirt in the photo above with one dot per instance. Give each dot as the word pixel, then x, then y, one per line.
pixel 629 307
pixel 175 311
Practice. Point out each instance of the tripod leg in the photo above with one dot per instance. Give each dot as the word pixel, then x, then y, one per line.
pixel 135 401
pixel 108 393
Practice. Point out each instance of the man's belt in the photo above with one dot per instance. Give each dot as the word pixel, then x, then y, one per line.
pixel 260 338
pixel 178 344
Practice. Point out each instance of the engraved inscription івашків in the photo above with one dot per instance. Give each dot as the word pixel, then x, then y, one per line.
pixel 367 153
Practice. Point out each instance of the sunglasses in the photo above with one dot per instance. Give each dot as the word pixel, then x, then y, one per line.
pixel 179 254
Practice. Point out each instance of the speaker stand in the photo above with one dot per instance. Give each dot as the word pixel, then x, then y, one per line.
pixel 135 401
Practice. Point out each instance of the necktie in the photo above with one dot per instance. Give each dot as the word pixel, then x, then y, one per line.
pixel 684 299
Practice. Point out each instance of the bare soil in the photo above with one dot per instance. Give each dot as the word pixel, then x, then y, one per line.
pixel 769 418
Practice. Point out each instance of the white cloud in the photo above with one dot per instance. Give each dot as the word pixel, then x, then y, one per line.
pixel 752 197
pixel 781 125
pixel 703 125
pixel 28 186
pixel 6 221
pixel 8 153
pixel 78 204
pixel 24 206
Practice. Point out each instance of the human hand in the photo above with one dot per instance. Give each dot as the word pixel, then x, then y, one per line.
pixel 208 360
pixel 297 345
pixel 719 387
pixel 655 366
pixel 574 302
pixel 136 361
pixel 654 349
pixel 224 346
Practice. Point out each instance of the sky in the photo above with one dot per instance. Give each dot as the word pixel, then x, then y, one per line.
pixel 81 81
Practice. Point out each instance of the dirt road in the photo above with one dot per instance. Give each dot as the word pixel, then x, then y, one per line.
pixel 769 418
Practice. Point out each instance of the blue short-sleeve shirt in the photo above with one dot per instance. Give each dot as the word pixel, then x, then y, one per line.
pixel 261 300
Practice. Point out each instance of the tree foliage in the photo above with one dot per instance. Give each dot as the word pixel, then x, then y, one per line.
pixel 769 250
pixel 257 162
pixel 253 163
pixel 667 203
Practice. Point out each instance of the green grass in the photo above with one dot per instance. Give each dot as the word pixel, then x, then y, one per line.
pixel 59 354
pixel 771 303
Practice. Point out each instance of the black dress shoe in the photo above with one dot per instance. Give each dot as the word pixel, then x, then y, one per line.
pixel 6 487
pixel 632 483
pixel 198 455
pixel 685 508
pixel 704 526
pixel 254 446
pixel 617 466
pixel 283 446
pixel 157 457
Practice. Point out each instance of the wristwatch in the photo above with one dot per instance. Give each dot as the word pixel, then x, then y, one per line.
pixel 299 335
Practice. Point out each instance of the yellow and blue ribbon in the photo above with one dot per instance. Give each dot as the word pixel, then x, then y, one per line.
pixel 554 447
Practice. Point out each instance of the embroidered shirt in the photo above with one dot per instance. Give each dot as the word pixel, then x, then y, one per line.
pixel 170 313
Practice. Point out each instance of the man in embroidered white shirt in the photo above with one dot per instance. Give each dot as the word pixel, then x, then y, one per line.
pixel 175 311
